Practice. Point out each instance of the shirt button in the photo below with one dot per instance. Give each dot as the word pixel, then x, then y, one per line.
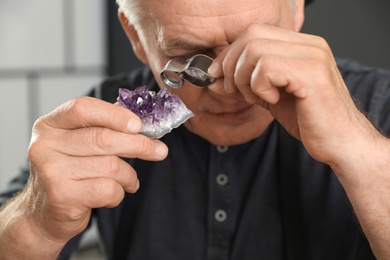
pixel 222 179
pixel 222 149
pixel 220 215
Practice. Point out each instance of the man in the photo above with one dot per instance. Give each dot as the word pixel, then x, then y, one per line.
pixel 234 185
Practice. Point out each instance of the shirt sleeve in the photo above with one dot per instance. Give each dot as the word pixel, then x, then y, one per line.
pixel 15 186
pixel 370 89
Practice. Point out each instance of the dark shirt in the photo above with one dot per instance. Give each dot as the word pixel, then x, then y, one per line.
pixel 265 199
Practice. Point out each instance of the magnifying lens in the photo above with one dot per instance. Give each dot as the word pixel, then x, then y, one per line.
pixel 194 70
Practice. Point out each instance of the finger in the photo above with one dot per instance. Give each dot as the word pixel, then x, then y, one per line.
pixel 267 58
pixel 83 168
pixel 97 193
pixel 237 62
pixel 216 68
pixel 262 31
pixel 273 72
pixel 94 141
pixel 252 79
pixel 87 112
pixel 258 40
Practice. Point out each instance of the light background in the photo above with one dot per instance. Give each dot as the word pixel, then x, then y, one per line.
pixel 50 51
pixel 55 50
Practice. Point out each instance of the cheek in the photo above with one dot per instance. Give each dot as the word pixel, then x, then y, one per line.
pixel 156 66
pixel 191 96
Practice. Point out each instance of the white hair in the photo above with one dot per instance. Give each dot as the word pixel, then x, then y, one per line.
pixel 131 9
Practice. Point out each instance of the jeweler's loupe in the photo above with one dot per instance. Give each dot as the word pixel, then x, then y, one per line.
pixel 194 70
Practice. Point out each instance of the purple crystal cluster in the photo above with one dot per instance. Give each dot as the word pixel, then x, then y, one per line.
pixel 160 112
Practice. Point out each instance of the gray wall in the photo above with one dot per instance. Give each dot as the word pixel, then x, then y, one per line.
pixel 50 51
pixel 358 29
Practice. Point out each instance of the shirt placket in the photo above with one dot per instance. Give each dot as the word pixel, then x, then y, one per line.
pixel 220 203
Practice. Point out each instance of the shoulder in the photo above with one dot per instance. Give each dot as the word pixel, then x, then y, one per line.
pixel 108 89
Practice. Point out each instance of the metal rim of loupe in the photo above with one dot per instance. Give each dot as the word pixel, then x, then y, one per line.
pixel 170 81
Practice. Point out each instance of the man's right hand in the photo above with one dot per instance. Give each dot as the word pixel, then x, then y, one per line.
pixel 75 165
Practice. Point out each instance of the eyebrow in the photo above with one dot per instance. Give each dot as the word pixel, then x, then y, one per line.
pixel 180 44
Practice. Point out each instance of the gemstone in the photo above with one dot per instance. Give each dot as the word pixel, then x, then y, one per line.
pixel 159 112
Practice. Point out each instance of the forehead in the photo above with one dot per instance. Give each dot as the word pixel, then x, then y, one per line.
pixel 206 22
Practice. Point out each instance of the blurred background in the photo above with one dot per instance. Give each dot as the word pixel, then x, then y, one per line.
pixel 55 50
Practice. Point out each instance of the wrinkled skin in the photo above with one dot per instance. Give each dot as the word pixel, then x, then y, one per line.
pixel 220 117
pixel 266 70
pixel 75 166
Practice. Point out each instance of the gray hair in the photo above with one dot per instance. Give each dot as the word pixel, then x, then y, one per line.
pixel 131 9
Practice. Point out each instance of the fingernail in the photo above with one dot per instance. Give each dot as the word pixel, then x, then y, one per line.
pixel 134 125
pixel 213 69
pixel 137 185
pixel 161 149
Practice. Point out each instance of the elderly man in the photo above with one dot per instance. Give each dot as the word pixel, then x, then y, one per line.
pixel 235 184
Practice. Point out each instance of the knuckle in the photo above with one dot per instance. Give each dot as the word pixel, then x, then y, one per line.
pixel 112 192
pixel 39 124
pixel 101 138
pixel 240 81
pixel 113 165
pixel 36 149
pixel 226 67
pixel 321 48
pixel 251 46
pixel 267 64
pixel 144 146
pixel 37 143
pixel 33 151
pixel 321 42
pixel 321 55
pixel 117 199
pixel 252 29
pixel 77 106
pixel 110 189
pixel 118 171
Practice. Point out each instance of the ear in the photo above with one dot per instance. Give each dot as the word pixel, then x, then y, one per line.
pixel 132 35
pixel 299 14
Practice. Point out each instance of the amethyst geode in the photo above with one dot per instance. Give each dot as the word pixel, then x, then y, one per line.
pixel 160 112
